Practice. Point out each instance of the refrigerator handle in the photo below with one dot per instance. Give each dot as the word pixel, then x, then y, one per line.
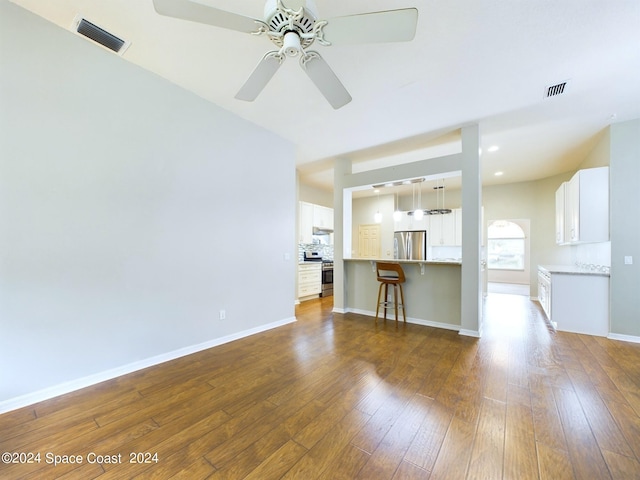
pixel 409 247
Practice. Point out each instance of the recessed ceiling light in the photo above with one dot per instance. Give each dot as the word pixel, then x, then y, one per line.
pixel 499 174
pixel 493 148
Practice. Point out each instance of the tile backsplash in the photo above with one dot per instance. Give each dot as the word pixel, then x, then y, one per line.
pixel 326 251
pixel 595 254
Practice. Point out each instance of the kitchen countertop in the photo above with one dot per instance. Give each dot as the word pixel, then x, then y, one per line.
pixel 575 270
pixel 418 262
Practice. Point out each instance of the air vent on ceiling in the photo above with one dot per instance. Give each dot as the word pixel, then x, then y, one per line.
pixel 557 89
pixel 99 35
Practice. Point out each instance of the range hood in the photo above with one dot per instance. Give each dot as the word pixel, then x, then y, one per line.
pixel 321 231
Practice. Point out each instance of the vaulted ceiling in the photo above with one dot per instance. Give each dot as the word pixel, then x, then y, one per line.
pixel 484 61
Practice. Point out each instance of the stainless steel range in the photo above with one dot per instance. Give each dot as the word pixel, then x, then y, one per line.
pixel 327 278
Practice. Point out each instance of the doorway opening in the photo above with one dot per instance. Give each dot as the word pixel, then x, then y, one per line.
pixel 508 253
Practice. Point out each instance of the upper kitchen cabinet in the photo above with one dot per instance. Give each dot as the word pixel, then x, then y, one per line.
pixel 323 217
pixel 306 223
pixel 409 222
pixel 582 208
pixel 561 227
pixel 446 229
pixel 313 216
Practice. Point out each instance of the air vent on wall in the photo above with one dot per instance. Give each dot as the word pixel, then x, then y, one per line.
pixel 99 35
pixel 557 89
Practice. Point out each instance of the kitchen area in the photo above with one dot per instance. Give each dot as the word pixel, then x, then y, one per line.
pixel 315 251
pixel 575 274
pixel 575 297
pixel 428 247
pixel 419 225
pixel 419 234
pixel 416 223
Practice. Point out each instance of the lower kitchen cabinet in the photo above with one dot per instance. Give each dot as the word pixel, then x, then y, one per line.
pixel 309 279
pixel 575 301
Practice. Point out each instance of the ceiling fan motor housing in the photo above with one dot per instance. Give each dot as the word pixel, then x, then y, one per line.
pixel 279 21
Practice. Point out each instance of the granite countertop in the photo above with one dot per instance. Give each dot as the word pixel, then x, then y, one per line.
pixel 576 270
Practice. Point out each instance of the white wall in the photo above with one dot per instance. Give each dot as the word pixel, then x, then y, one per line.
pixel 131 213
pixel 625 228
pixel 312 194
pixel 534 201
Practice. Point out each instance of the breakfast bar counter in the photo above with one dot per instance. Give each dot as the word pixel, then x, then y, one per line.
pixel 431 291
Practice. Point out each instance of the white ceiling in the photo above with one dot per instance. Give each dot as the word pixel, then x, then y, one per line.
pixel 484 61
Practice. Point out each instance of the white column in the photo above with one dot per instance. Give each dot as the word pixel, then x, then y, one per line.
pixel 341 232
pixel 471 291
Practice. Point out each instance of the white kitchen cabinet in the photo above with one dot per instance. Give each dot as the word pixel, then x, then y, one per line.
pixel 544 292
pixel 305 224
pixel 457 214
pixel 575 302
pixel 586 207
pixel 309 279
pixel 409 222
pixel 312 215
pixel 442 230
pixel 322 217
pixel 561 237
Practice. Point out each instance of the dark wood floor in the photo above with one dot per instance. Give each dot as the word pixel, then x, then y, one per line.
pixel 335 397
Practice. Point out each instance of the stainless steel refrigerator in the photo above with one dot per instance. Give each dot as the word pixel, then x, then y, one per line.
pixel 410 245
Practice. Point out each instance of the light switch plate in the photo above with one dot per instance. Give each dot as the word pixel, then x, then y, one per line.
pixel 628 260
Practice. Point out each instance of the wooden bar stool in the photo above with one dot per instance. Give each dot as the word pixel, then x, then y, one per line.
pixel 390 274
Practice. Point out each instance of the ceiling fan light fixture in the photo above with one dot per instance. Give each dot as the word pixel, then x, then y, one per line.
pixel 291 46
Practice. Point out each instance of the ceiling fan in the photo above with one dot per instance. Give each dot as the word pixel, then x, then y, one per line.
pixel 293 29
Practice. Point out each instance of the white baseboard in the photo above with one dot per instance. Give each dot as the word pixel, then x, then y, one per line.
pixel 339 310
pixel 70 386
pixel 416 321
pixel 469 333
pixel 624 338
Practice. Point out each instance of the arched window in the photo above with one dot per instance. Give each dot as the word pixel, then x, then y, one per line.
pixel 505 246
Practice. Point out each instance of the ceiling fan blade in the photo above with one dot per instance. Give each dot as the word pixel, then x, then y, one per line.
pixel 324 78
pixel 196 12
pixel 375 27
pixel 260 76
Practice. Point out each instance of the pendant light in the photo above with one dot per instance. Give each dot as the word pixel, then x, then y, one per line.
pixel 378 216
pixel 419 213
pixel 397 214
pixel 439 210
